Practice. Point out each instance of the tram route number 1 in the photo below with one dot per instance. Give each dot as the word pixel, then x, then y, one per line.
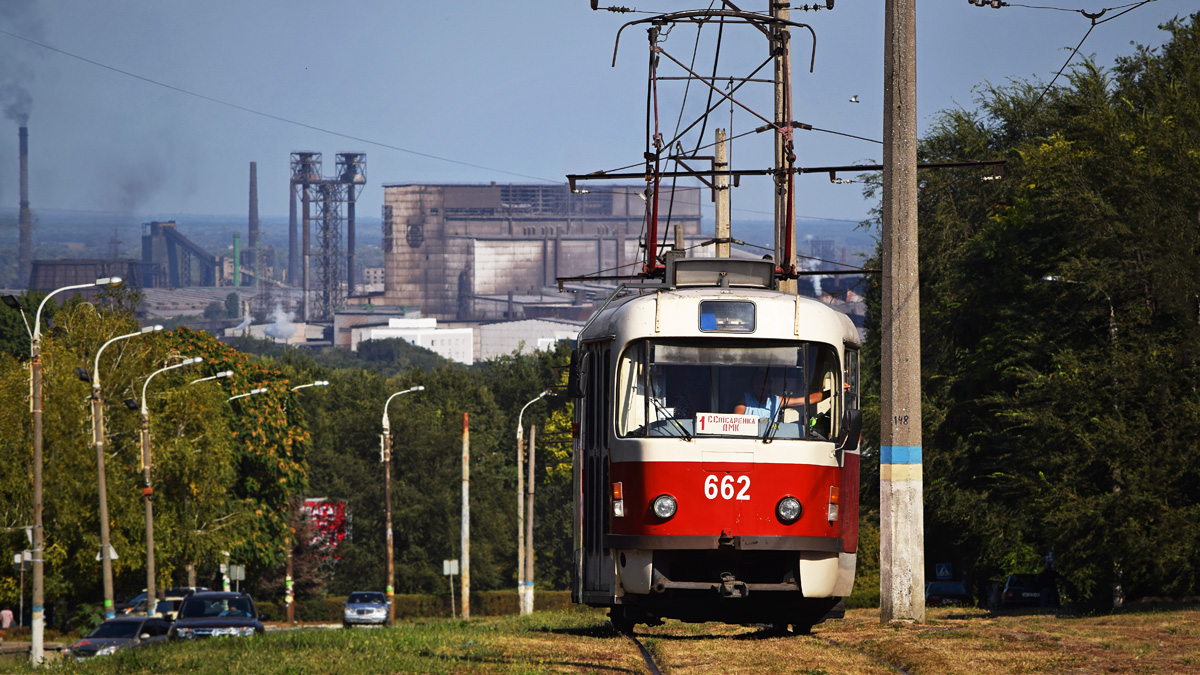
pixel 727 425
pixel 726 487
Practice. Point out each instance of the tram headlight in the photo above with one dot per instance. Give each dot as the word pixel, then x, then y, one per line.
pixel 664 506
pixel 788 510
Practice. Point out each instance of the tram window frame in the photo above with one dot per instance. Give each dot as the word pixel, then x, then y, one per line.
pixel 635 376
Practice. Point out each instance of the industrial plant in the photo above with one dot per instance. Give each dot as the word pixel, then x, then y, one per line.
pixel 469 270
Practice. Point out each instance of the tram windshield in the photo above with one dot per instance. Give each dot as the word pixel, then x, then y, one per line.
pixel 769 390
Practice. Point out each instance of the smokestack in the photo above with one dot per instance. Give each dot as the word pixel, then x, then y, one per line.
pixel 293 274
pixel 254 242
pixel 25 241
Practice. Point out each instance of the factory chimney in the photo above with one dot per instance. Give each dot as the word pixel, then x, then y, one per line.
pixel 25 241
pixel 256 254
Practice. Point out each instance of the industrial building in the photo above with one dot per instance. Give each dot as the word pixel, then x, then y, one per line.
pixel 485 251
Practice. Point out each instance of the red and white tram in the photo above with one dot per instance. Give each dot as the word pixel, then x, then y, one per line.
pixel 716 464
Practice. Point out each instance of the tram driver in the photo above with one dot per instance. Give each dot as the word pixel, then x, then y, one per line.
pixel 768 392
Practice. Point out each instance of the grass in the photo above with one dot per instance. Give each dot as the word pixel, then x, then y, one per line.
pixel 967 642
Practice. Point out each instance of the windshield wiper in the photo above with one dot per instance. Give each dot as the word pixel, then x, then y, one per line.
pixel 772 426
pixel 662 411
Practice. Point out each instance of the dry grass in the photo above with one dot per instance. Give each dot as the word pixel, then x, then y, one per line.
pixel 970 642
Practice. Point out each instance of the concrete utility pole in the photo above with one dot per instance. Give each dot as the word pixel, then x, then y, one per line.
pixel 721 163
pixel 902 534
pixel 465 573
pixel 527 600
pixel 783 119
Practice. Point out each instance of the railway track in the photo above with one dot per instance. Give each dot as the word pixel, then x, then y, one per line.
pixel 651 666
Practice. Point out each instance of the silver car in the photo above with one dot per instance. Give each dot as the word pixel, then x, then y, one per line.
pixel 365 608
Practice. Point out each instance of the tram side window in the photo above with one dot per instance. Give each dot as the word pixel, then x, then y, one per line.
pixel 825 415
pixel 631 390
pixel 851 376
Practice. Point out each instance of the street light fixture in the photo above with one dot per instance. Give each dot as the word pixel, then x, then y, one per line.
pixel 147 490
pixel 252 392
pixel 386 458
pixel 223 373
pixel 98 441
pixel 318 383
pixel 523 585
pixel 38 625
pixel 12 301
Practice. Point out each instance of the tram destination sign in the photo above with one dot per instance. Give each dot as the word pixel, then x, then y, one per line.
pixel 727 425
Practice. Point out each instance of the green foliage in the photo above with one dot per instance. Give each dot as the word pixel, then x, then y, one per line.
pixel 218 481
pixel 214 310
pixel 1060 318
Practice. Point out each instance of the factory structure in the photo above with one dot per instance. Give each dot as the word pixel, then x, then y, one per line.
pixel 485 251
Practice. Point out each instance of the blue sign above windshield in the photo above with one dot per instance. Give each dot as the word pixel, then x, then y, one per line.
pixel 726 316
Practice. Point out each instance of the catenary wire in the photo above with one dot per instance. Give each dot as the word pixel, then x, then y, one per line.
pixel 271 116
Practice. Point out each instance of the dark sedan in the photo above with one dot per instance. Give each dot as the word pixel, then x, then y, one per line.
pixel 946 593
pixel 216 614
pixel 113 635
pixel 1018 590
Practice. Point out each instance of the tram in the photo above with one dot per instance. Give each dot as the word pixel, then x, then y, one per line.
pixel 716 463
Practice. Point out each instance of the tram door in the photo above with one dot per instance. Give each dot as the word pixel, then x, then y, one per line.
pixel 594 438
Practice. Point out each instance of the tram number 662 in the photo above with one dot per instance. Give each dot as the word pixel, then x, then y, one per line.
pixel 726 487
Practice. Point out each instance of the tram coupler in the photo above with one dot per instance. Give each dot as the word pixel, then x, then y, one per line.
pixel 730 587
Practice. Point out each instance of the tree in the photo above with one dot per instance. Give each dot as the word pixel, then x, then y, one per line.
pixel 1060 312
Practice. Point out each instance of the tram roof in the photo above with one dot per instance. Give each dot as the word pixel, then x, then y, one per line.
pixel 779 314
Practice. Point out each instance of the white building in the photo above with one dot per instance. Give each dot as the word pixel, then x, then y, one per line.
pixel 456 344
pixel 524 336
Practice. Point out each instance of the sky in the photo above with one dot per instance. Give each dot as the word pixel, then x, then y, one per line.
pixel 155 107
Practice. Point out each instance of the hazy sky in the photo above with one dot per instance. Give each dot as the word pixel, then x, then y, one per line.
pixel 523 87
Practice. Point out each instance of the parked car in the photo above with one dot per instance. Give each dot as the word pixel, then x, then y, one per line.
pixel 216 614
pixel 183 591
pixel 364 608
pixel 1018 590
pixel 163 608
pixel 131 604
pixel 945 593
pixel 126 632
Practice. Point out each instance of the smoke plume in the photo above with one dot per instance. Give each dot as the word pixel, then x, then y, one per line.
pixel 281 327
pixel 16 71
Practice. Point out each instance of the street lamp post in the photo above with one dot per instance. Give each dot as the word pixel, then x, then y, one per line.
pixel 1118 592
pixel 288 582
pixel 522 588
pixel 386 457
pixel 38 625
pixel 98 441
pixel 147 490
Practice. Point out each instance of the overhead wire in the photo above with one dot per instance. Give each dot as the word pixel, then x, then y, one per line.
pixel 271 116
pixel 1093 17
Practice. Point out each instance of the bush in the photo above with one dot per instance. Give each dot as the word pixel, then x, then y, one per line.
pixel 412 605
